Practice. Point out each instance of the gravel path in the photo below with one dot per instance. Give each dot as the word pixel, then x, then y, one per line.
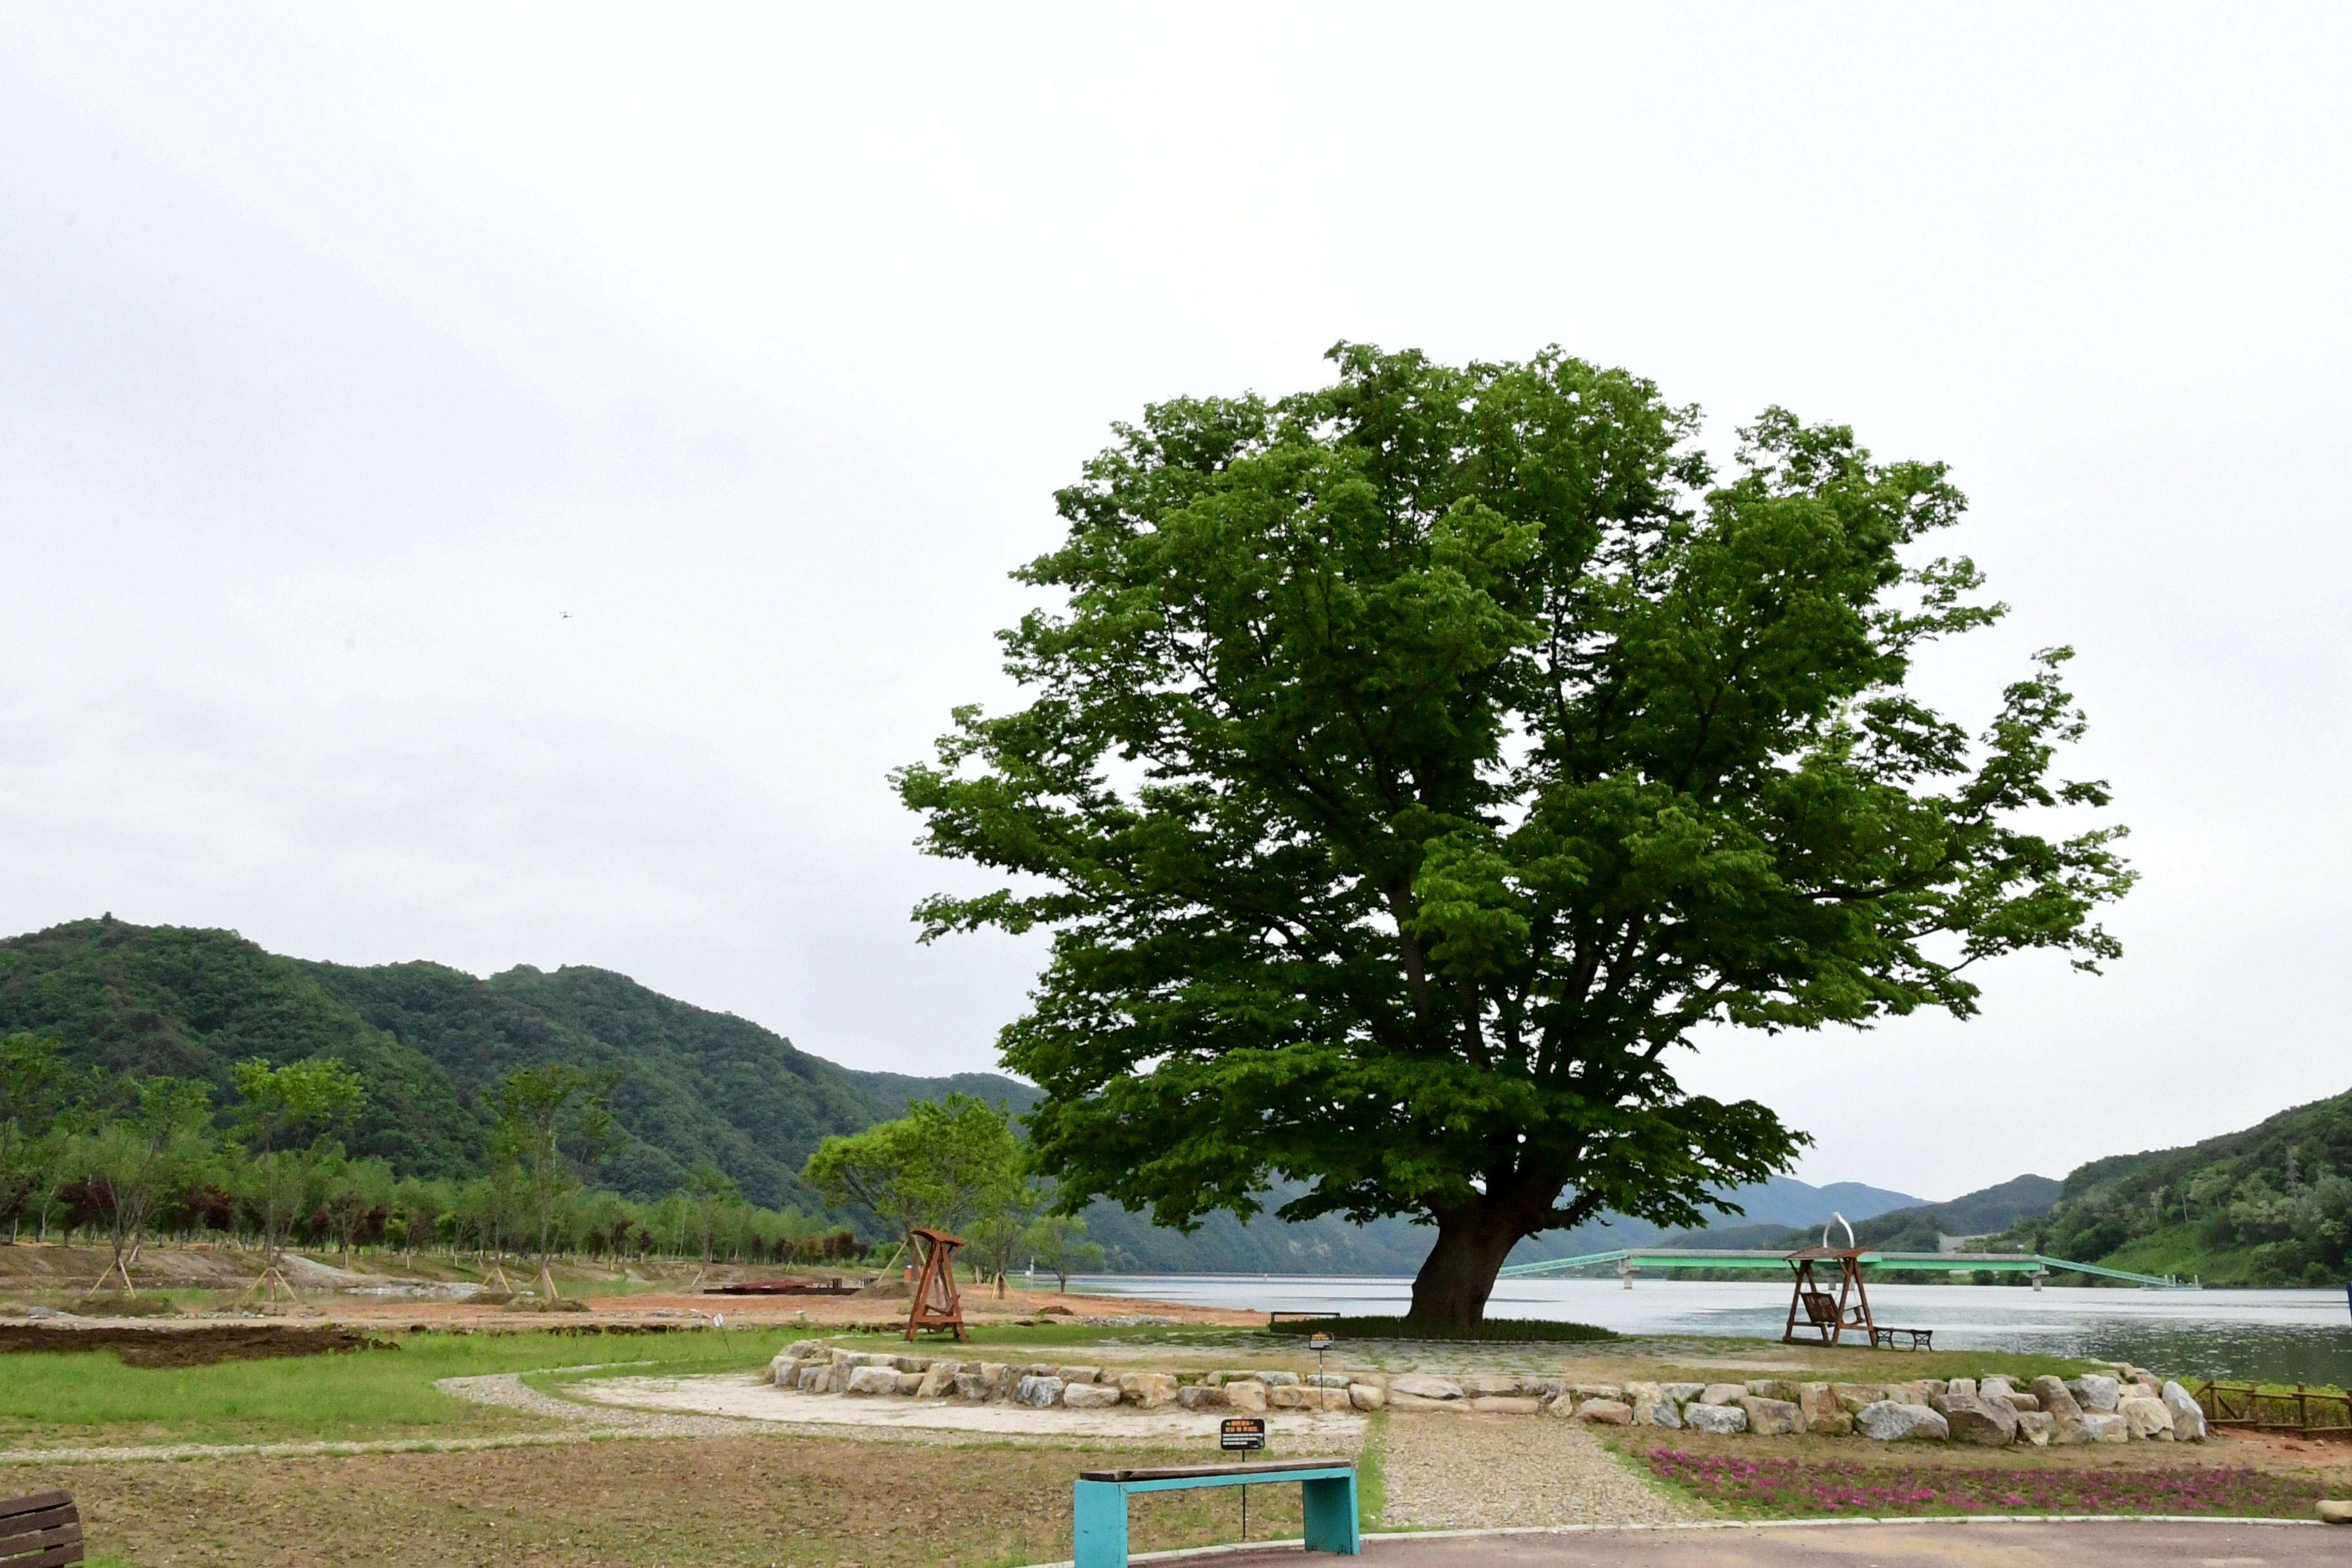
pixel 507 1390
pixel 1481 1471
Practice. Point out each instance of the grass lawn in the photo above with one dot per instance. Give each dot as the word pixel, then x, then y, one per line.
pixel 812 1501
pixel 91 1399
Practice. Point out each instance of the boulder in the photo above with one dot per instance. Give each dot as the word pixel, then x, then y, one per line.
pixel 2056 1398
pixel 1683 1392
pixel 2022 1402
pixel 1000 1379
pixel 906 1382
pixel 2148 1418
pixel 1996 1384
pixel 811 1378
pixel 2036 1427
pixel 1247 1397
pixel 1486 1383
pixel 1200 1396
pixel 1038 1392
pixel 2100 1393
pixel 1605 1412
pixel 1779 1388
pixel 1772 1417
pixel 2187 1416
pixel 1291 1396
pixel 1366 1395
pixel 782 1370
pixel 1888 1422
pixel 2334 1512
pixel 1326 1380
pixel 1961 1388
pixel 1824 1413
pixel 1514 1404
pixel 1423 1386
pixel 1597 1391
pixel 1989 1424
pixel 1148 1390
pixel 1715 1419
pixel 1722 1394
pixel 1278 1379
pixel 936 1383
pixel 1853 1396
pixel 1934 1386
pixel 1070 1375
pixel 1652 1405
pixel 1560 1406
pixel 2104 1426
pixel 969 1387
pixel 872 1380
pixel 1399 1401
pixel 1090 1396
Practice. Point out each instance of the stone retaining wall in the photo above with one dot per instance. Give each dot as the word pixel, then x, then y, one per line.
pixel 2132 1405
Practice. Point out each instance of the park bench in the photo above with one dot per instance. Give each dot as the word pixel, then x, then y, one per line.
pixel 43 1530
pixel 1099 1506
pixel 1884 1338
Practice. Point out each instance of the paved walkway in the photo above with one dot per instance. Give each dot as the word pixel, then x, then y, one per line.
pixel 2100 1543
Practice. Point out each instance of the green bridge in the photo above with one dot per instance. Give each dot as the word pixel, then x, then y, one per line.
pixel 1631 1259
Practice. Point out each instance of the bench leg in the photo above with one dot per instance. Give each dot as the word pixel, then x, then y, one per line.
pixel 1099 1525
pixel 1330 1508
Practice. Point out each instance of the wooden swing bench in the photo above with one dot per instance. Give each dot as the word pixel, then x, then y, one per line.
pixel 1817 1317
pixel 43 1530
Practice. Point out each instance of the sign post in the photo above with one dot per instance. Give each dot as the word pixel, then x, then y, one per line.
pixel 1318 1344
pixel 1242 1433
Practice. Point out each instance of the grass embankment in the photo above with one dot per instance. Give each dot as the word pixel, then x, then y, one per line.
pixel 91 1399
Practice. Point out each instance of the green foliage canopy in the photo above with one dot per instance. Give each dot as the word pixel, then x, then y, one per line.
pixel 1415 761
pixel 943 1165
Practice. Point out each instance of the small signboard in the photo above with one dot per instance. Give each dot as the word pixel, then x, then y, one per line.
pixel 1241 1432
pixel 1318 1344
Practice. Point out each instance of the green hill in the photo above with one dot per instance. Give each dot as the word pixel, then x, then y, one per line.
pixel 427 1039
pixel 1916 1228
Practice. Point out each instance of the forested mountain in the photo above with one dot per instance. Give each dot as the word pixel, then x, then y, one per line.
pixel 428 1040
pixel 2269 1206
pixel 1917 1227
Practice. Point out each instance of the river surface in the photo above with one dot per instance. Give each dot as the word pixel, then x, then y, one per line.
pixel 2289 1336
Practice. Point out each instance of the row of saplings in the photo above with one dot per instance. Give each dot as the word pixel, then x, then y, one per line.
pixel 2132 1405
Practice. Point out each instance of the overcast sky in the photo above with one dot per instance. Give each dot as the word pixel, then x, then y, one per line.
pixel 502 485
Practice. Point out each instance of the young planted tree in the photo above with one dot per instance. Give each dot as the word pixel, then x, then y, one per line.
pixel 1413 766
pixel 140 1155
pixel 1059 1242
pixel 553 1124
pixel 33 1084
pixel 285 1127
pixel 711 1196
pixel 1002 1227
pixel 942 1165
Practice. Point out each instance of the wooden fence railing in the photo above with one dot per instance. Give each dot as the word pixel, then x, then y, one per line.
pixel 2315 1412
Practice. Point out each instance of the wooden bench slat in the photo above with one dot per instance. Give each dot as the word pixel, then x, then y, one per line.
pixel 35 1523
pixel 34 1503
pixel 59 1557
pixel 1209 1472
pixel 13 1547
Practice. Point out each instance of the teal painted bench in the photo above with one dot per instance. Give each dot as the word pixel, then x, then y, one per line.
pixel 1099 1505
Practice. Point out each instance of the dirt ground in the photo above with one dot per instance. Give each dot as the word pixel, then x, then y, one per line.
pixel 811 1502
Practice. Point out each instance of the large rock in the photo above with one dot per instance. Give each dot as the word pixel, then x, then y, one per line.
pixel 1366 1395
pixel 1652 1405
pixel 1989 1424
pixel 1280 1379
pixel 1823 1412
pixel 1327 1379
pixel 2056 1399
pixel 1996 1384
pixel 1486 1383
pixel 782 1371
pixel 1038 1392
pixel 1704 1417
pixel 1853 1396
pixel 811 1378
pixel 1772 1417
pixel 1597 1391
pixel 873 1379
pixel 936 1383
pixel 1200 1396
pixel 2036 1427
pixel 1000 1379
pixel 1514 1403
pixel 1423 1386
pixel 2100 1393
pixel 2148 1418
pixel 2187 1416
pixel 2022 1402
pixel 907 1381
pixel 1070 1375
pixel 1415 1402
pixel 1090 1396
pixel 1722 1394
pixel 1148 1390
pixel 1961 1388
pixel 1247 1397
pixel 1779 1388
pixel 969 1387
pixel 1683 1392
pixel 2104 1426
pixel 1605 1412
pixel 1888 1422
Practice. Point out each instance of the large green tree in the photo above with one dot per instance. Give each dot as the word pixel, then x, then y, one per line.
pixel 1411 765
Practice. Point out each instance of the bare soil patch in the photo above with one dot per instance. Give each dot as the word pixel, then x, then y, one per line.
pixel 812 1502
pixel 188 1344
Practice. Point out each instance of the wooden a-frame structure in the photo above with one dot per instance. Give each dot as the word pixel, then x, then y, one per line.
pixel 936 1304
pixel 1824 1318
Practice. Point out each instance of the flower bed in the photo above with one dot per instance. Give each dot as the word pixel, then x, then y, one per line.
pixel 1792 1487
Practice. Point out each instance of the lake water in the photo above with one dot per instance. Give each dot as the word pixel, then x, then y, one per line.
pixel 2290 1336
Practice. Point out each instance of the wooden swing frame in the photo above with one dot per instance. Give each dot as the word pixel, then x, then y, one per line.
pixel 936 1303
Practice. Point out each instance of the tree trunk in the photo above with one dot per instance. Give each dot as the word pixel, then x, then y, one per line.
pixel 1458 1275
